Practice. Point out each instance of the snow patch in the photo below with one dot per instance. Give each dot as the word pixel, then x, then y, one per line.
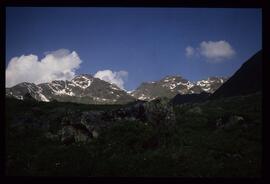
pixel 101 99
pixel 65 91
pixel 172 86
pixel 115 88
pixel 43 98
pixel 129 92
pixel 206 89
pixel 71 84
pixel 188 84
pixel 19 97
pixel 85 83
pixel 144 97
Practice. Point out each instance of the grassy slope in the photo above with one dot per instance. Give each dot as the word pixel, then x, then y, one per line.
pixel 193 147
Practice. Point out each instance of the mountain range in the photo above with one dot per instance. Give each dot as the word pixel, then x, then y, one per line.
pixel 173 85
pixel 246 80
pixel 90 90
pixel 81 89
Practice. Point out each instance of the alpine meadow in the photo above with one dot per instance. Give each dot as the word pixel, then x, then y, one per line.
pixel 137 92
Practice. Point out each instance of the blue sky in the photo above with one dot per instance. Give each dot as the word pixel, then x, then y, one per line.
pixel 147 43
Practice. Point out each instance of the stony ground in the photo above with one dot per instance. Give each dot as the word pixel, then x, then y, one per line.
pixel 214 138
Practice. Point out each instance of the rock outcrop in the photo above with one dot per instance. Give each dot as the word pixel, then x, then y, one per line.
pixel 85 126
pixel 229 121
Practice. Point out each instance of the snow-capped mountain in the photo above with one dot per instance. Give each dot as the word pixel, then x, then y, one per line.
pixel 81 89
pixel 89 90
pixel 211 84
pixel 173 85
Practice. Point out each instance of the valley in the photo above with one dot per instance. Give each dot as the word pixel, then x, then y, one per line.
pixel 175 131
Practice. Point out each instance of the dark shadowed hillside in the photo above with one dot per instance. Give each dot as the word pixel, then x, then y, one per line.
pixel 221 137
pixel 189 98
pixel 248 79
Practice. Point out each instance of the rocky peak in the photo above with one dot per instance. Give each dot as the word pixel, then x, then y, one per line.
pixel 83 81
pixel 170 86
pixel 81 89
pixel 83 77
pixel 211 84
pixel 174 78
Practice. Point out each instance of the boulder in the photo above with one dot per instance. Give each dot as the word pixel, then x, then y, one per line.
pixel 159 112
pixel 227 122
pixel 67 134
pixel 83 126
pixel 195 110
pixel 91 119
pixel 81 136
pixel 219 123
pixel 51 136
pixel 234 120
pixel 75 128
pixel 95 134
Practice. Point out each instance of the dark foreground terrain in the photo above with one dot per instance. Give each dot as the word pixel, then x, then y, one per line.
pixel 221 137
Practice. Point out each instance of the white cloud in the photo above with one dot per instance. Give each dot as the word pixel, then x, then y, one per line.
pixel 189 51
pixel 213 51
pixel 216 50
pixel 56 65
pixel 116 78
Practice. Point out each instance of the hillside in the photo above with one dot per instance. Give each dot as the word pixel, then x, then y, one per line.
pixel 246 80
pixel 217 138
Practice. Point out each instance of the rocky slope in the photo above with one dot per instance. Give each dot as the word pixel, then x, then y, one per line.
pixel 173 85
pixel 89 90
pixel 81 89
pixel 246 80
pixel 190 98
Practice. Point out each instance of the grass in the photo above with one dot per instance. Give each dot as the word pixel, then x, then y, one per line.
pixel 193 147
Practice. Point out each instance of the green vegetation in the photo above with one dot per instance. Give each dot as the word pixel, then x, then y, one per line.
pixel 193 147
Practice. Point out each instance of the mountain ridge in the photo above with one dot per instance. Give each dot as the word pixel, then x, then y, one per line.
pixel 247 79
pixel 85 88
pixel 170 86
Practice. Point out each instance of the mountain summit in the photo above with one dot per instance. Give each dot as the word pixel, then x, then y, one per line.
pixel 81 89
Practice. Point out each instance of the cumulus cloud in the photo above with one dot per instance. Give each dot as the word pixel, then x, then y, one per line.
pixel 56 65
pixel 213 51
pixel 189 51
pixel 117 78
pixel 216 50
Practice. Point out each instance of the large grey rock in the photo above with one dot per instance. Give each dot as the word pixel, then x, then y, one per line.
pixel 54 137
pixel 91 119
pixel 95 134
pixel 227 122
pixel 159 112
pixel 84 126
pixel 195 110
pixel 234 120
pixel 70 134
pixel 81 136
pixel 74 128
pixel 67 134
